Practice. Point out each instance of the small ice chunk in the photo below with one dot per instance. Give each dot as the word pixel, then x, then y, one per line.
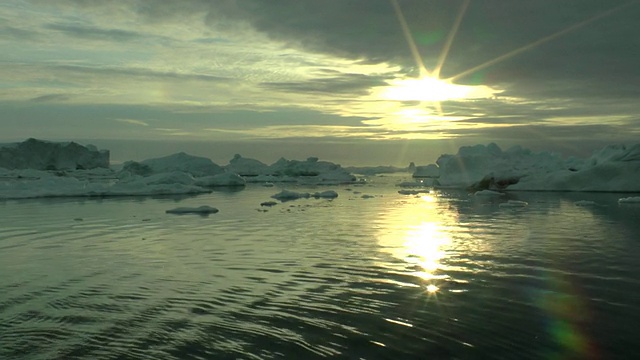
pixel 514 203
pixel 329 194
pixel 488 193
pixel 629 200
pixel 268 203
pixel 286 195
pixel 202 210
pixel 409 192
pixel 367 196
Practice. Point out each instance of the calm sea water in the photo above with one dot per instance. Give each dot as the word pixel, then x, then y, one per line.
pixel 436 276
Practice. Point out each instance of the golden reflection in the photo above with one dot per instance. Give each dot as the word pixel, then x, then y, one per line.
pixel 417 234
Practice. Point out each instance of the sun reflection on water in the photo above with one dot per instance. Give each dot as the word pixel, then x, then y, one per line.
pixel 417 234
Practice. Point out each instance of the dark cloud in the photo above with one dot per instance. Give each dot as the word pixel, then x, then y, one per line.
pixel 10 32
pixel 606 50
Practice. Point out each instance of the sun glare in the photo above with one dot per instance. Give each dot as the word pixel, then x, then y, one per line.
pixel 430 89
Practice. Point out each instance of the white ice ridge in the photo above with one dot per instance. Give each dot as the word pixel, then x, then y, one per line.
pixel 615 168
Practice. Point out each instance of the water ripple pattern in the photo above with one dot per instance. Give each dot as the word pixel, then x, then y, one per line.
pixel 439 275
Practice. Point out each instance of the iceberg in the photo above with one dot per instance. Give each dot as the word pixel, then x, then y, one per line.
pixel 224 179
pixel 247 167
pixel 427 171
pixel 614 168
pixel 194 165
pixel 47 155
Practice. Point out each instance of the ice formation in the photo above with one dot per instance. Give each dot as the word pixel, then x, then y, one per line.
pixel 514 204
pixel 46 155
pixel 194 165
pixel 488 193
pixel 69 169
pixel 224 179
pixel 286 195
pixel 428 171
pixel 615 168
pixel 58 171
pixel 629 200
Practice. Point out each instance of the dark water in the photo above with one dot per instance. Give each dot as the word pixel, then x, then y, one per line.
pixel 439 276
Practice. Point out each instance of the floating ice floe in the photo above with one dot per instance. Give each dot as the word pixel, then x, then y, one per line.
pixel 201 210
pixel 412 192
pixel 629 200
pixel 514 204
pixel 286 195
pixel 488 193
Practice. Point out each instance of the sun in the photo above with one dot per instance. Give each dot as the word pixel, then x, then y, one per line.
pixel 432 89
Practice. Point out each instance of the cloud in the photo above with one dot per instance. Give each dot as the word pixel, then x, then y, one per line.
pixel 351 84
pixel 51 98
pixel 94 33
pixel 132 122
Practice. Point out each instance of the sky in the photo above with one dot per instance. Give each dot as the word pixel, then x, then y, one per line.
pixel 359 82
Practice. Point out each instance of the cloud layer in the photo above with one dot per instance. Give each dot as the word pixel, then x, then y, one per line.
pixel 295 68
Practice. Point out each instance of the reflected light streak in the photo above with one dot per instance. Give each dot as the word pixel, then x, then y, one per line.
pixel 419 240
pixel 542 41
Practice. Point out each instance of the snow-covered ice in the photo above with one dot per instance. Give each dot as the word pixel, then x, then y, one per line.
pixel 629 200
pixel 514 204
pixel 614 168
pixel 286 195
pixel 224 179
pixel 427 171
pixel 328 194
pixel 488 193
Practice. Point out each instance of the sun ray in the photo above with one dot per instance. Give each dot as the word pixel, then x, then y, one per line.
pixel 450 38
pixel 412 44
pixel 542 40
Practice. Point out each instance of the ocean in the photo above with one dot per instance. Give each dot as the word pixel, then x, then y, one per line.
pixel 372 274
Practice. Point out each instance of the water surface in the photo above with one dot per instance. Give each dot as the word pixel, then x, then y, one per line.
pixel 441 275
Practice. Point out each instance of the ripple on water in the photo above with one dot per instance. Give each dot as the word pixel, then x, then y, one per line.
pixel 333 279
